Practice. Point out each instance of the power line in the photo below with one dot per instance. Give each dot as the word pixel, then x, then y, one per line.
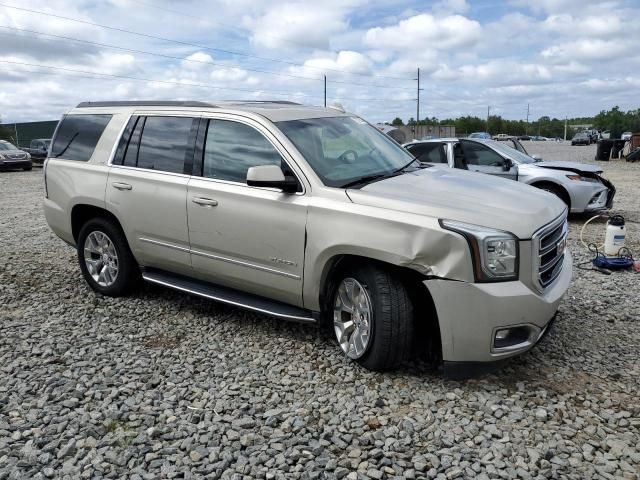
pixel 225 25
pixel 172 57
pixel 199 85
pixel 170 82
pixel 204 47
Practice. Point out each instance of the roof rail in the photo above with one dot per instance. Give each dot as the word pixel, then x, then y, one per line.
pixel 145 103
pixel 170 103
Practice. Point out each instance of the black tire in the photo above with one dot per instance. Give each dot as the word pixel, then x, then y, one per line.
pixel 393 323
pixel 128 276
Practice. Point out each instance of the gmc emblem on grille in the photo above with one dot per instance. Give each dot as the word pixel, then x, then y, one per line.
pixel 562 245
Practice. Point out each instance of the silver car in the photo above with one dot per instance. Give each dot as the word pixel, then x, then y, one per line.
pixel 579 185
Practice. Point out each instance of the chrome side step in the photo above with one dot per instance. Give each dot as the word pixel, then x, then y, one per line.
pixel 228 295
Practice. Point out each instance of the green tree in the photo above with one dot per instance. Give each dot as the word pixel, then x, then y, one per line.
pixel 397 122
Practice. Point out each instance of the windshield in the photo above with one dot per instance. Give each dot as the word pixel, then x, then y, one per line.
pixel 7 146
pixel 342 150
pixel 47 143
pixel 515 155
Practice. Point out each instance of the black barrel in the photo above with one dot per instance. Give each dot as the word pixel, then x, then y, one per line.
pixel 617 146
pixel 604 149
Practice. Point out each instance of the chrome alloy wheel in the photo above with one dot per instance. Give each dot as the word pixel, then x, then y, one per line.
pixel 353 318
pixel 101 258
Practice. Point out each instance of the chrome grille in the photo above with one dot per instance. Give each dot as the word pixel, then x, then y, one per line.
pixel 549 250
pixel 16 156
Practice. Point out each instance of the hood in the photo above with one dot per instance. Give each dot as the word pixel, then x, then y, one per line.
pixel 570 166
pixel 469 197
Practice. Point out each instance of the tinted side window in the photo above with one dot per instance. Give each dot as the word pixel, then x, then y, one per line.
pixel 232 147
pixel 78 136
pixel 164 144
pixel 477 154
pixel 429 153
pixel 131 150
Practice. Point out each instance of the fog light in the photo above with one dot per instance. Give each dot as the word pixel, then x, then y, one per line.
pixel 514 338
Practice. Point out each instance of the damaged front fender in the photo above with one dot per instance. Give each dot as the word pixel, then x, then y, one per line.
pixel 404 240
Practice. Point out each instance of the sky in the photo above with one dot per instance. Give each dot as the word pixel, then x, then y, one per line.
pixel 561 57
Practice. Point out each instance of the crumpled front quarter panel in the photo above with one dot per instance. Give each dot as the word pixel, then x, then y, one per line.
pixel 407 240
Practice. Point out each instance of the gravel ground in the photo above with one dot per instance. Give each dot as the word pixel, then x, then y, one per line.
pixel 163 385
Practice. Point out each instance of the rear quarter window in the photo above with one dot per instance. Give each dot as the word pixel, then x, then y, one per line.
pixel 78 136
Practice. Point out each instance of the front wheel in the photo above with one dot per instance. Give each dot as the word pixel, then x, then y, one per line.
pixel 105 259
pixel 372 317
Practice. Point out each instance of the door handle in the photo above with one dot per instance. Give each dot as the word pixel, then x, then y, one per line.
pixel 205 202
pixel 122 186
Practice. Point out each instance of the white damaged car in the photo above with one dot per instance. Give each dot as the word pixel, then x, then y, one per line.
pixel 579 185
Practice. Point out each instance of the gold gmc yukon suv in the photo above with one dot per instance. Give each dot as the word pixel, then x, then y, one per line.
pixel 309 214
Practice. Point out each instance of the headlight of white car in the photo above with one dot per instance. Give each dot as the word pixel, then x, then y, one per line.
pixel 495 253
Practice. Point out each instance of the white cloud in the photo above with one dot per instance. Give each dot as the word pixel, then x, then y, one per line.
pixel 426 31
pixel 301 24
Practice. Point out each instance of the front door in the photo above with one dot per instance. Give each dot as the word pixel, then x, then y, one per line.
pixel 483 159
pixel 248 238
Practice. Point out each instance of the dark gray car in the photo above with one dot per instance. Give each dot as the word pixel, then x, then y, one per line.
pixel 12 158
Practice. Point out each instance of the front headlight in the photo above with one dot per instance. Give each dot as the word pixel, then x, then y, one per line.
pixel 578 178
pixel 495 252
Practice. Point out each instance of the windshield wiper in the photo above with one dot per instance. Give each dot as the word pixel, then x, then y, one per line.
pixel 66 147
pixel 365 180
pixel 379 176
pixel 406 166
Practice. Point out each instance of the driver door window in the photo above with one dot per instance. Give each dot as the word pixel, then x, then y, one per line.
pixel 481 158
pixel 232 147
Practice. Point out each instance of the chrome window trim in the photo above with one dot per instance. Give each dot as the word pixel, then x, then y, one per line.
pixel 117 142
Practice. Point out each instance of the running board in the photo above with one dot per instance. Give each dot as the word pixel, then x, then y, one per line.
pixel 228 295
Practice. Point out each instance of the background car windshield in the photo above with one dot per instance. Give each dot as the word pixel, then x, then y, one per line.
pixel 344 149
pixel 7 146
pixel 515 155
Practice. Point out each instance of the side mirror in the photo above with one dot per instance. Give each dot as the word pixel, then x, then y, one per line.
pixel 507 165
pixel 536 157
pixel 271 176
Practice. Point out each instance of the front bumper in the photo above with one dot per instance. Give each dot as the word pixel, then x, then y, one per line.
pixel 591 197
pixel 470 314
pixel 15 164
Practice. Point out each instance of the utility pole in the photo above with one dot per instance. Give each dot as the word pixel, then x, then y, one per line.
pixel 565 128
pixel 15 127
pixel 325 91
pixel 526 129
pixel 488 110
pixel 418 99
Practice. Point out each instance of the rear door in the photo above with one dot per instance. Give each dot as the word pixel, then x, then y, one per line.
pixel 481 158
pixel 147 188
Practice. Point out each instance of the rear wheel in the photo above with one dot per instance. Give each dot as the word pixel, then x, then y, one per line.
pixel 372 316
pixel 105 258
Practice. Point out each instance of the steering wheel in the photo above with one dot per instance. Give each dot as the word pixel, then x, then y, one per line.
pixel 344 156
